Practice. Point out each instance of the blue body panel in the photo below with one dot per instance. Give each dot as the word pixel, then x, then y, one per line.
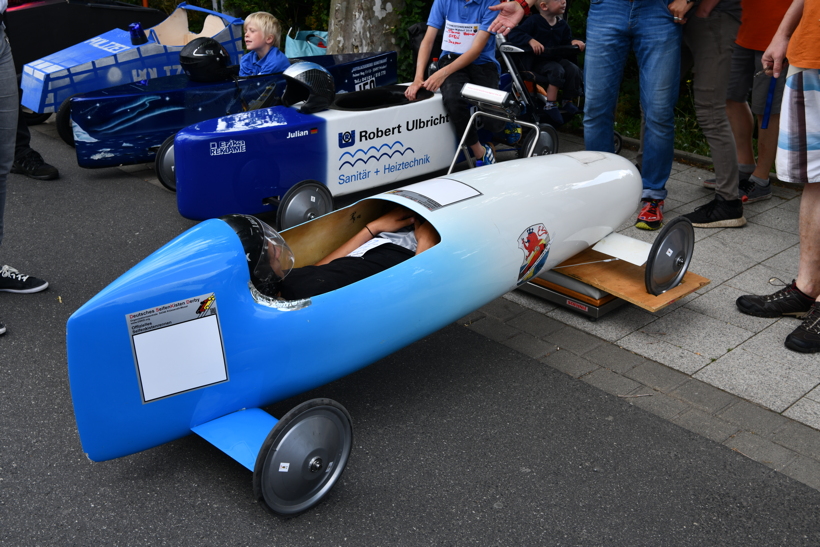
pixel 126 124
pixel 276 156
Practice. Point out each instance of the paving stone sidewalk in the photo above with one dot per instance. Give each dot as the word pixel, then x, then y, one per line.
pixel 700 362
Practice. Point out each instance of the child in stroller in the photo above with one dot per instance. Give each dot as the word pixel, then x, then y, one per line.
pixel 550 48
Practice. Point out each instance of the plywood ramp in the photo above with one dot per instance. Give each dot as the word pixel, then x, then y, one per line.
pixel 625 280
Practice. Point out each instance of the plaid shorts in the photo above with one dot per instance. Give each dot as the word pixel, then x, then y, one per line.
pixel 798 145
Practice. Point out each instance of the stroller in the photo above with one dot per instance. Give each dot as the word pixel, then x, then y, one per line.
pixel 526 87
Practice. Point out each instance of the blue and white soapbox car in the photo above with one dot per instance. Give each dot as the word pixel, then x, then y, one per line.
pixel 184 342
pixel 279 159
pixel 128 124
pixel 113 59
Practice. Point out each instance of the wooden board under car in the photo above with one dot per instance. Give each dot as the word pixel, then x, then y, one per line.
pixel 624 280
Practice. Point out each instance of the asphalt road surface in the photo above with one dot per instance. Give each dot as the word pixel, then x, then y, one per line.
pixel 457 440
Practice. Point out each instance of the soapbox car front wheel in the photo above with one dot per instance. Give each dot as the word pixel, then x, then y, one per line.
pixel 670 256
pixel 547 142
pixel 164 164
pixel 303 202
pixel 303 456
pixel 63 122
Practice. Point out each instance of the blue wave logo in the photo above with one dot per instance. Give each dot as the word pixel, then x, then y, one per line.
pixel 373 153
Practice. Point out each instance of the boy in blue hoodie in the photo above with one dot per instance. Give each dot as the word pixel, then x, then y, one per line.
pixel 262 33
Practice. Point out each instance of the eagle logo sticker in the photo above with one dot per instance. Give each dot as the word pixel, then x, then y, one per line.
pixel 535 241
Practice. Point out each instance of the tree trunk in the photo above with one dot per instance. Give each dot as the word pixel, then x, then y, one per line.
pixel 357 26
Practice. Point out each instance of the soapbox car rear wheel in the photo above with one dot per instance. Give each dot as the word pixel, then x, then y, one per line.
pixel 547 142
pixel 63 122
pixel 670 256
pixel 303 202
pixel 303 456
pixel 164 164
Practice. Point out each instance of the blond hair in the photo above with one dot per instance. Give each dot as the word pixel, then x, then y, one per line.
pixel 267 23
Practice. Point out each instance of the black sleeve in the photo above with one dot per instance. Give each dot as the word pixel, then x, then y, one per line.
pixel 521 35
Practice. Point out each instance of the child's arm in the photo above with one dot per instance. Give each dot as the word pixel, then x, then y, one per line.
pixel 421 63
pixel 433 83
pixel 580 44
pixel 395 220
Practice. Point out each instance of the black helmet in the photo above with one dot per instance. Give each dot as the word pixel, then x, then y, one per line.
pixel 311 83
pixel 205 60
pixel 268 255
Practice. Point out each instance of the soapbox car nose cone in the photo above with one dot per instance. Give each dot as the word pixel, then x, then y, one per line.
pixel 303 456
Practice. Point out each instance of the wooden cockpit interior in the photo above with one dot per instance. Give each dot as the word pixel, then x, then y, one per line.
pixel 312 241
pixel 174 30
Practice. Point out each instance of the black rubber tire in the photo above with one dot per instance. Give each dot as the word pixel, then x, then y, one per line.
pixel 618 142
pixel 303 456
pixel 670 256
pixel 63 122
pixel 164 164
pixel 304 201
pixel 548 142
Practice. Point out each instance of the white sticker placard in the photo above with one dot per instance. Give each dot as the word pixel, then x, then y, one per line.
pixel 284 467
pixel 458 37
pixel 178 347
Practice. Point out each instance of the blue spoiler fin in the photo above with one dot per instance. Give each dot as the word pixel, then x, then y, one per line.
pixel 239 435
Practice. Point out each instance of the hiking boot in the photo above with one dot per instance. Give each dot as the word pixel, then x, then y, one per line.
pixel 31 164
pixel 13 281
pixel 806 337
pixel 750 191
pixel 718 213
pixel 651 215
pixel 787 301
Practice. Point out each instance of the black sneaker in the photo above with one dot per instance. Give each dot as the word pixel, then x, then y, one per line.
pixel 31 164
pixel 718 213
pixel 13 281
pixel 806 337
pixel 750 191
pixel 787 301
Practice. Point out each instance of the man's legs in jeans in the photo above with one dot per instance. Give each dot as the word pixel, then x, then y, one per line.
pixel 657 48
pixel 648 27
pixel 608 43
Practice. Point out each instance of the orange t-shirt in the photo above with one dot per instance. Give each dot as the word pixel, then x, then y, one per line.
pixel 804 46
pixel 759 22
